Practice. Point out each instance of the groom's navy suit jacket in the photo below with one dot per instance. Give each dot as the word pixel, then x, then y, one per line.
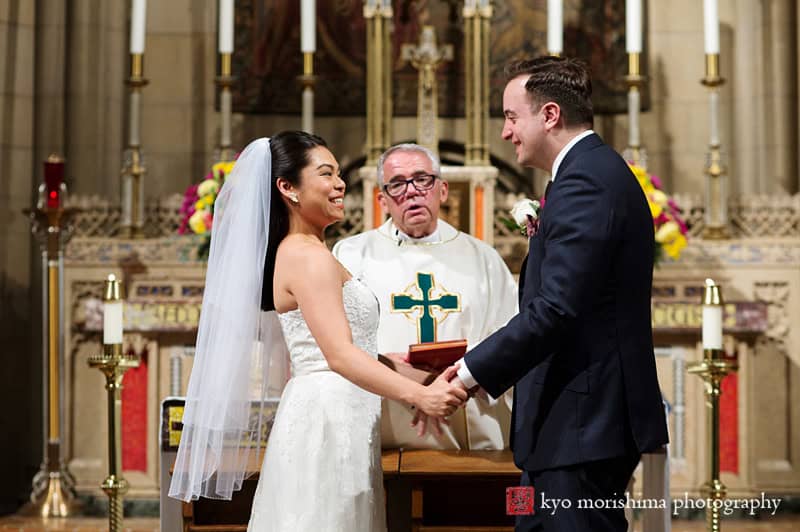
pixel 580 351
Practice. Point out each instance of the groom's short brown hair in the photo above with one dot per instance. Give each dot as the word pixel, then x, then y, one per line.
pixel 562 80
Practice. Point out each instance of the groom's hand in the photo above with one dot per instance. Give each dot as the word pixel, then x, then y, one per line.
pixel 457 382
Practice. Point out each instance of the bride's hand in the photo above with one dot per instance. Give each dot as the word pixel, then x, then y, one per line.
pixel 441 398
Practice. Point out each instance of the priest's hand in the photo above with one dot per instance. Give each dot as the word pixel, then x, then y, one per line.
pixel 441 398
pixel 422 420
pixel 399 363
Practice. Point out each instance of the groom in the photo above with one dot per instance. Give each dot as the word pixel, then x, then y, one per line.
pixel 580 352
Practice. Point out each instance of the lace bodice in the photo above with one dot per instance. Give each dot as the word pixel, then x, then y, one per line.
pixel 361 309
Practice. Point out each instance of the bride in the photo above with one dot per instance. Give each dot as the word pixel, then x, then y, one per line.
pixel 272 284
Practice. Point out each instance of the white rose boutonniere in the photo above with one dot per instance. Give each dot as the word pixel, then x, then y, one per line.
pixel 525 217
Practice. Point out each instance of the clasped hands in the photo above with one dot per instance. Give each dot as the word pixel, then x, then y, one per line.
pixel 441 397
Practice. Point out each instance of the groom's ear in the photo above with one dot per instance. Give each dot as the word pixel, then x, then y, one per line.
pixel 551 113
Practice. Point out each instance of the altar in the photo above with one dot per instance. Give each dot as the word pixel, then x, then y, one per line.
pixel 164 279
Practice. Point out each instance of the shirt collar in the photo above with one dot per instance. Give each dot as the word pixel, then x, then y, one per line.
pixel 563 153
pixel 402 237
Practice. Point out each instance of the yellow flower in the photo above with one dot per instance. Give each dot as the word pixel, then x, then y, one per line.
pixel 639 172
pixel 655 208
pixel 203 203
pixel 224 166
pixel 674 247
pixel 197 222
pixel 671 239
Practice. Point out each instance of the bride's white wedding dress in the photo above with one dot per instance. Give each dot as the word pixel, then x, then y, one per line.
pixel 322 467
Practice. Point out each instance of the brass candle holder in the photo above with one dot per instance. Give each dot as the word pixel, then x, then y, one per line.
pixel 634 80
pixel 307 81
pixel 714 367
pixel 716 197
pixel 225 81
pixel 53 486
pixel 113 364
pixel 133 167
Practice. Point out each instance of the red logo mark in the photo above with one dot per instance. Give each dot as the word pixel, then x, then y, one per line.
pixel 519 500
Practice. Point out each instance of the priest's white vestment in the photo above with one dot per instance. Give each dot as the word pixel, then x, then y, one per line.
pixel 444 287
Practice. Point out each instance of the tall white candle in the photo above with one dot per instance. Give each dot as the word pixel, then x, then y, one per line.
pixel 112 322
pixel 308 26
pixel 633 26
pixel 711 24
pixel 226 26
pixel 555 26
pixel 712 327
pixel 138 17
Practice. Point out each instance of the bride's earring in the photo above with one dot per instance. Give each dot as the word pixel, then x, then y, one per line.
pixel 293 197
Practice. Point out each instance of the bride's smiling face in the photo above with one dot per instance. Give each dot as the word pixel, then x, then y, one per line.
pixel 320 194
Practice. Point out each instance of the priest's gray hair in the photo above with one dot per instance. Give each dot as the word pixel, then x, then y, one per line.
pixel 408 146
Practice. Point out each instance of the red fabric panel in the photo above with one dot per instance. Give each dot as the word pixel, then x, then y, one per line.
pixel 134 417
pixel 729 425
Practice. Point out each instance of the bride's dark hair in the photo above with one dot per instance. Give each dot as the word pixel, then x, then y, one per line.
pixel 289 156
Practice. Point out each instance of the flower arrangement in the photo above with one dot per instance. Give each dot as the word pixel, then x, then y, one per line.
pixel 524 216
pixel 670 227
pixel 198 205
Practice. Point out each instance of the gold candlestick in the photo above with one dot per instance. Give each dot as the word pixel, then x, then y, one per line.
pixel 113 364
pixel 634 152
pixel 133 167
pixel 225 81
pixel 716 200
pixel 53 486
pixel 307 82
pixel 712 369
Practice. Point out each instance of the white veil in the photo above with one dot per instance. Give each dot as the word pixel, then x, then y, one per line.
pixel 239 347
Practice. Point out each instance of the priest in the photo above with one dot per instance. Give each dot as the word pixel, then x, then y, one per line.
pixel 433 283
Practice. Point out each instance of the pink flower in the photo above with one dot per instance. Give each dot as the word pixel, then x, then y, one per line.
pixel 656 181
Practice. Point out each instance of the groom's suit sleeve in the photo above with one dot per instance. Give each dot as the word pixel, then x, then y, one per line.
pixel 577 225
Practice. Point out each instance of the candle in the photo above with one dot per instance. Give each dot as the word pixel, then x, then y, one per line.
pixel 712 316
pixel 225 26
pixel 112 317
pixel 308 26
pixel 711 23
pixel 138 15
pixel 712 327
pixel 53 177
pixel 555 26
pixel 633 26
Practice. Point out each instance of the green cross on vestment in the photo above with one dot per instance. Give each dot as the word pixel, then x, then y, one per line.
pixel 426 324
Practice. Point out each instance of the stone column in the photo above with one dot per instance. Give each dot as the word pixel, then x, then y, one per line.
pixel 781 95
pixel 96 65
pixel 50 90
pixel 747 80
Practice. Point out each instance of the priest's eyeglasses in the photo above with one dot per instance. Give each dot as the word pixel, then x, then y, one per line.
pixel 397 187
